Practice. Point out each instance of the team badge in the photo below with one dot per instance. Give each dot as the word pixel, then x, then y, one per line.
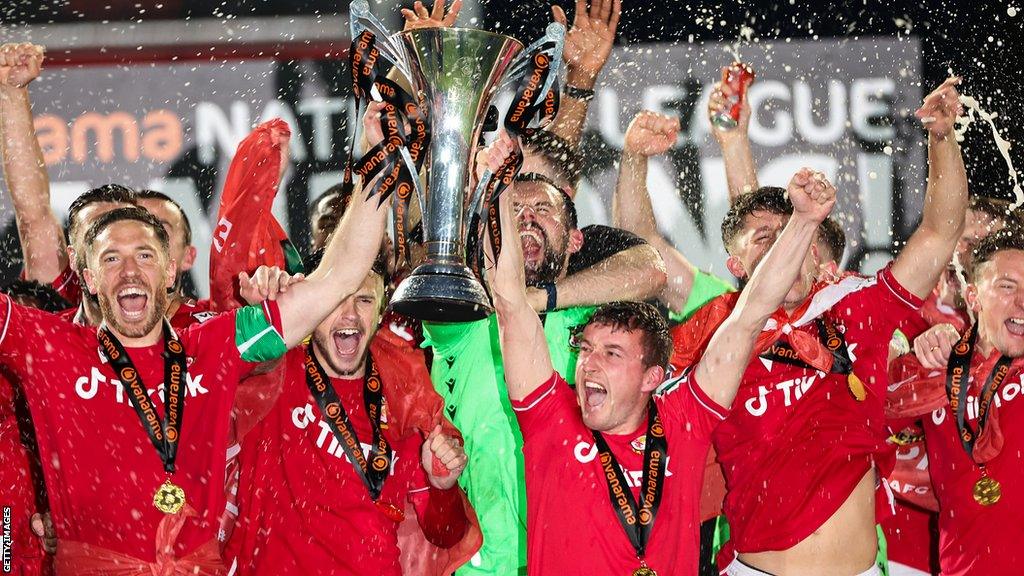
pixel 639 444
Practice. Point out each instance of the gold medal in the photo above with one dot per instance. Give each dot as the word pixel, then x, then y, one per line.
pixel 987 491
pixel 856 387
pixel 169 498
pixel 644 571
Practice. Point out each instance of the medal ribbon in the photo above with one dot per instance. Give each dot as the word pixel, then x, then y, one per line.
pixel 373 473
pixel 831 339
pixel 958 383
pixel 163 433
pixel 637 521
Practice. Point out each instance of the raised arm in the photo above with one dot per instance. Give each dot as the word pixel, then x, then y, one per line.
pixel 524 350
pixel 719 371
pixel 931 246
pixel 347 260
pixel 650 134
pixel 588 43
pixel 740 171
pixel 40 232
pixel 636 273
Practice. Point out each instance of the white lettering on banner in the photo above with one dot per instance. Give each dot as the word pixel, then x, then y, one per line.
pixel 303 416
pixel 781 111
pixel 88 386
pixel 586 452
pixel 790 390
pixel 1008 392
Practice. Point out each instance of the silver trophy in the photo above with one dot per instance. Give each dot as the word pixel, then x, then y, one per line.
pixel 454 74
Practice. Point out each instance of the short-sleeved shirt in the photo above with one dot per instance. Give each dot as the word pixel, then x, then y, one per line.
pixel 799 434
pixel 976 539
pixel 99 464
pixel 302 507
pixel 572 527
pixel 469 375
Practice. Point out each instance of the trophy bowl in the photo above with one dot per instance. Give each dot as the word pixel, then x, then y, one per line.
pixel 455 72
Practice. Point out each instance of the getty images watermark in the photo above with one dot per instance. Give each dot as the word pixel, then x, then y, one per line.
pixel 5 542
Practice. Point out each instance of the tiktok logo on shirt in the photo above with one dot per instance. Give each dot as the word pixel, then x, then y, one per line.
pixel 1008 392
pixel 789 391
pixel 585 453
pixel 304 416
pixel 89 386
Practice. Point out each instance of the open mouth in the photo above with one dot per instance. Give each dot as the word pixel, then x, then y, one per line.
pixel 346 341
pixel 132 302
pixel 1015 326
pixel 594 394
pixel 533 243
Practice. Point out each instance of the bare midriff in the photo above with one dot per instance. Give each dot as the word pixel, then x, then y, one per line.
pixel 845 545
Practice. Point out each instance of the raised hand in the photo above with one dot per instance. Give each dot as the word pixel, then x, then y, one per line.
pixel 418 17
pixel 20 64
pixel 371 124
pixel 588 42
pixel 722 95
pixel 650 134
pixel 266 283
pixel 934 346
pixel 812 195
pixel 493 155
pixel 443 458
pixel 941 108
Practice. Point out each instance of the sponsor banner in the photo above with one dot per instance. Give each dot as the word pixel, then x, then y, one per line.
pixel 843 107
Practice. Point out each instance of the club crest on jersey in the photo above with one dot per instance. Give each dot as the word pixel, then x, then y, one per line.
pixel 639 444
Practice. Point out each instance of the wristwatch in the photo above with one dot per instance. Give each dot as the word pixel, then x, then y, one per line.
pixel 581 94
pixel 549 287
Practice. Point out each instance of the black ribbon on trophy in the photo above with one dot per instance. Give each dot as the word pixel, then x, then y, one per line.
pixel 433 127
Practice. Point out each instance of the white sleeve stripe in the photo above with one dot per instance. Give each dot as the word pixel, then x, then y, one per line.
pixel 537 401
pixel 424 489
pixel 252 341
pixel 7 320
pixel 697 395
pixel 896 293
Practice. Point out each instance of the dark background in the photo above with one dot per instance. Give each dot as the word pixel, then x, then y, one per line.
pixel 953 34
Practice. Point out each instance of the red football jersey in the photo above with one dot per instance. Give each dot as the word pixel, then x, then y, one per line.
pixel 798 434
pixel 99 464
pixel 17 486
pixel 302 507
pixel 976 539
pixel 572 527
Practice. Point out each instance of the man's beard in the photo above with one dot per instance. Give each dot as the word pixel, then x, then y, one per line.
pixel 156 314
pixel 323 353
pixel 550 268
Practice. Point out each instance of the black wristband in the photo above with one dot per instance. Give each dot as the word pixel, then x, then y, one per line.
pixel 581 94
pixel 552 291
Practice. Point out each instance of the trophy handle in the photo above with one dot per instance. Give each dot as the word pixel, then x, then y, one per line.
pixel 553 34
pixel 476 200
pixel 362 19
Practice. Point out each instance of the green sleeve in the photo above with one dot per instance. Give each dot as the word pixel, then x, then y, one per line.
pixel 255 336
pixel 706 287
